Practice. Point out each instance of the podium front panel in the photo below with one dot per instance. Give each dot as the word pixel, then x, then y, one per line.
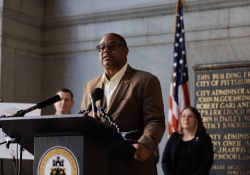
pixel 76 155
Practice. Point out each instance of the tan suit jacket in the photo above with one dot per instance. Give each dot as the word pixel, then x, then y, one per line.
pixel 136 104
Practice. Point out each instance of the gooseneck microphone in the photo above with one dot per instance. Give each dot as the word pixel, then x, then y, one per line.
pixel 87 110
pixel 96 94
pixel 39 105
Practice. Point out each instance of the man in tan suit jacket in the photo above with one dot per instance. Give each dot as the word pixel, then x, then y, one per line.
pixel 133 98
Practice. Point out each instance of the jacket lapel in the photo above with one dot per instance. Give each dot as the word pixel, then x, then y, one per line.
pixel 120 90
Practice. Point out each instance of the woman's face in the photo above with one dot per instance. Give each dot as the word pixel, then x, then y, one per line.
pixel 188 119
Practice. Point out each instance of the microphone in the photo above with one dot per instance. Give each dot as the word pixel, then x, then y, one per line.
pixel 39 105
pixel 94 96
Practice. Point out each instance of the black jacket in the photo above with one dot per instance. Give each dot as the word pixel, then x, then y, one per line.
pixel 202 154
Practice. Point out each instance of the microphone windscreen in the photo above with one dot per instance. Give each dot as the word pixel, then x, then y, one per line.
pixel 48 101
pixel 97 94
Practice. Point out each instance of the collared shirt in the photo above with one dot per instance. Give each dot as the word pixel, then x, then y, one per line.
pixel 110 85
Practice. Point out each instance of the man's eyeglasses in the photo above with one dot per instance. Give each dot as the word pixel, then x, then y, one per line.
pixel 110 46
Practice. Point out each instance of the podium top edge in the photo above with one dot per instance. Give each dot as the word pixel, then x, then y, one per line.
pixel 44 117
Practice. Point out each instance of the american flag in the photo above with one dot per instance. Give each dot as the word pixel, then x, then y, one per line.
pixel 179 94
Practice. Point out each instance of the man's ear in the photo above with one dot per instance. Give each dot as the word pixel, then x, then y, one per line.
pixel 127 50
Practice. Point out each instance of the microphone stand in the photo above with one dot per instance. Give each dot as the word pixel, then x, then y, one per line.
pixel 86 111
pixel 109 119
pixel 1 162
pixel 94 109
pixel 17 166
pixel 20 160
pixel 123 135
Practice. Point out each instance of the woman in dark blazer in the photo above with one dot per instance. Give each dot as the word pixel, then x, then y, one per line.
pixel 190 150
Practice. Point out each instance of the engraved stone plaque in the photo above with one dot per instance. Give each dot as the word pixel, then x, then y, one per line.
pixel 222 96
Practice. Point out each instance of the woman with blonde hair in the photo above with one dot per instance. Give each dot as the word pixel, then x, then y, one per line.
pixel 189 151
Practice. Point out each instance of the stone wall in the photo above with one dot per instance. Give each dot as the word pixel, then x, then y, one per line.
pixel 21 51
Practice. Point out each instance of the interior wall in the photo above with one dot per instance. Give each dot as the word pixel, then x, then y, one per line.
pixel 21 59
pixel 216 31
pixel 21 51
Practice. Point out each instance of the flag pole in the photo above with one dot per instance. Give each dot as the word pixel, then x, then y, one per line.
pixel 181 2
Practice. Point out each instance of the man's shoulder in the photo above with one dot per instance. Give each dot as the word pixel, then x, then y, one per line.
pixel 93 83
pixel 95 80
pixel 142 73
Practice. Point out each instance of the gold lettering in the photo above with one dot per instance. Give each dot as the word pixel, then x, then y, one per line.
pixel 236 125
pixel 203 93
pixel 216 143
pixel 202 83
pixel 210 112
pixel 235 172
pixel 228 91
pixel 226 150
pixel 247 118
pixel 207 105
pixel 203 77
pixel 231 143
pixel 218 167
pixel 215 82
pixel 207 119
pixel 215 136
pixel 228 82
pixel 227 105
pixel 230 118
pixel 227 156
pixel 233 75
pixel 230 167
pixel 246 74
pixel 218 76
pixel 245 104
pixel 216 119
pixel 212 125
pixel 248 111
pixel 233 111
pixel 238 136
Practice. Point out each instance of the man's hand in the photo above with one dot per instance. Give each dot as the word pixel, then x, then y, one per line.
pixel 141 153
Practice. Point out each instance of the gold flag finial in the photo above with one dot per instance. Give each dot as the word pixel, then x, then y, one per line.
pixel 182 4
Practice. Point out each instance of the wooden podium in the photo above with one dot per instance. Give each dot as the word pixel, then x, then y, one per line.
pixel 72 144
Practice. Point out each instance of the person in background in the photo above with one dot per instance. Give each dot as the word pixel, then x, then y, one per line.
pixel 133 98
pixel 65 104
pixel 190 150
